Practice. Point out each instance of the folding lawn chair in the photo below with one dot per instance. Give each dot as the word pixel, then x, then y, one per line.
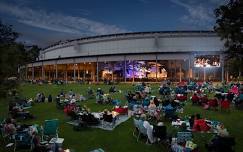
pixel 22 140
pixel 183 136
pixel 142 131
pixel 50 128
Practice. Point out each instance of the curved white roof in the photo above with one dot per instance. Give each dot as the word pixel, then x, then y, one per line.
pixel 135 43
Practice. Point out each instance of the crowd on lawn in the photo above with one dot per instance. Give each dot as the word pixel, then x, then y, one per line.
pixel 150 114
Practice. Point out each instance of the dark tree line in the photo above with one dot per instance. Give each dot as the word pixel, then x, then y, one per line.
pixel 13 55
pixel 229 26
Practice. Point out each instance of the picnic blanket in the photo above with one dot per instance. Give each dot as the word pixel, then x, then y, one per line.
pixel 121 119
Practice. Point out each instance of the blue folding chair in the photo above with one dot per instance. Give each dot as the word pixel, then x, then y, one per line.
pixel 50 128
pixel 183 136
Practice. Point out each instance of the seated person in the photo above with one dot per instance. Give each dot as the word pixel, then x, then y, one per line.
pixel 204 100
pixel 147 89
pixel 17 111
pixel 49 98
pixel 29 102
pixel 159 131
pixel 149 129
pixel 90 92
pixel 9 127
pixel 89 119
pixel 191 121
pixel 58 100
pixel 112 89
pixel 82 98
pixel 99 91
pixel 109 116
pixel 156 101
pixel 37 147
pixel 221 142
pixel 100 99
pixel 195 99
pixel 225 103
pixel 62 93
pixel 151 106
pixel 222 131
pixel 200 124
pixel 181 97
pixel 213 103
pixel 230 96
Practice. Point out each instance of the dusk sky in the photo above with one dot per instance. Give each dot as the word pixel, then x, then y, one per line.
pixel 44 22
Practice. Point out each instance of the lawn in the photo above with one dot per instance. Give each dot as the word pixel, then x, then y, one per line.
pixel 120 139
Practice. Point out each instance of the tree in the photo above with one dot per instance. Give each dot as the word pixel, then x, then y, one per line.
pixel 13 55
pixel 32 53
pixel 229 26
pixel 7 34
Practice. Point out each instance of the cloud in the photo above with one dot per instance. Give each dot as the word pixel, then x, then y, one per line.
pixel 199 13
pixel 58 22
pixel 82 12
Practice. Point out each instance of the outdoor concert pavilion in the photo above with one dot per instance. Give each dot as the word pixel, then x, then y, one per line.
pixel 129 57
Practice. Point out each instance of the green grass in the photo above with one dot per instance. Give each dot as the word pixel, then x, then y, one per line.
pixel 120 139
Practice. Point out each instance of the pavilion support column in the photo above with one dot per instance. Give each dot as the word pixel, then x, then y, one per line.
pixel 175 71
pixel 42 72
pixel 156 68
pixel 171 73
pixel 74 72
pixel 180 72
pixel 222 63
pixel 49 72
pixel 222 74
pixel 84 71
pixel 78 73
pixel 92 73
pixel 112 76
pixel 97 70
pixel 125 69
pixel 33 72
pixel 227 76
pixel 66 74
pixel 133 76
pixel 26 72
pixel 189 70
pixel 56 74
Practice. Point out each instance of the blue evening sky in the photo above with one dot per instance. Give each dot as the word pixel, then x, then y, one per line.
pixel 44 22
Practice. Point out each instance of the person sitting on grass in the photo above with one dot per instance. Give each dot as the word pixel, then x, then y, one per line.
pixel 147 89
pixel 112 89
pixel 152 106
pixel 37 146
pixel 200 124
pixel 49 98
pixel 17 111
pixel 204 100
pixel 213 103
pixel 149 129
pixel 222 131
pixel 108 114
pixel 156 101
pixel 9 127
pixel 195 99
pixel 225 104
pixel 99 91
pixel 191 121
pixel 221 142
